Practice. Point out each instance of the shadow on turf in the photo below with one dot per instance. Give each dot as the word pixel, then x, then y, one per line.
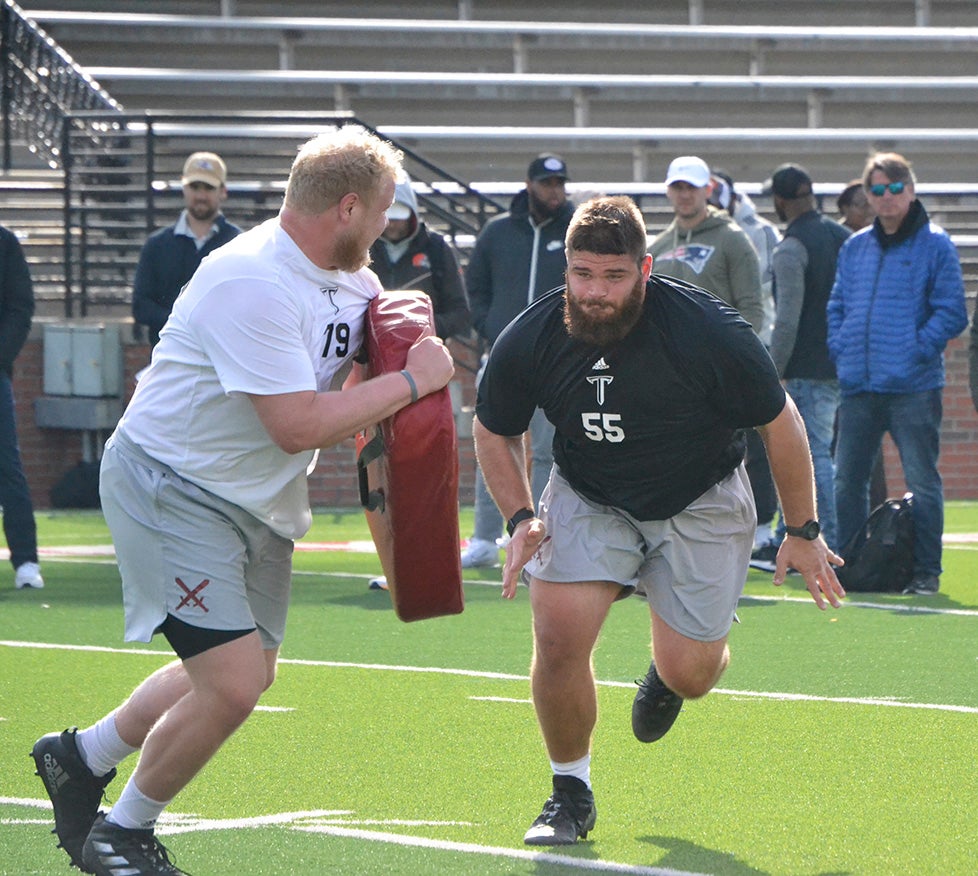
pixel 368 600
pixel 682 855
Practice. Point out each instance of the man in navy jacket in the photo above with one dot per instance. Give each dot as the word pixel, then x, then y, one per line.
pixel 16 313
pixel 171 255
pixel 898 299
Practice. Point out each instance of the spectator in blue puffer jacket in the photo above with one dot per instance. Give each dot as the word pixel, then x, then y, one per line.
pixel 898 299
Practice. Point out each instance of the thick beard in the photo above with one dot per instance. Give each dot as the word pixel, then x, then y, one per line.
pixel 603 327
pixel 541 210
pixel 350 255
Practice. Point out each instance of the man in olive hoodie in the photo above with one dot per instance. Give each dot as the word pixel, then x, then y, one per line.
pixel 701 246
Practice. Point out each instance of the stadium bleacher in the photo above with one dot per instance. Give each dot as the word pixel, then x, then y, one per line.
pixel 476 87
pixel 619 89
pixel 747 89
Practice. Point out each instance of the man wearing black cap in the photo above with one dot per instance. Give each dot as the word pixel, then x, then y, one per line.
pixel 804 269
pixel 518 256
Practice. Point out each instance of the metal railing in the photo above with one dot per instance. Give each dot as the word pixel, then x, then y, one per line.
pixel 122 180
pixel 120 170
pixel 41 84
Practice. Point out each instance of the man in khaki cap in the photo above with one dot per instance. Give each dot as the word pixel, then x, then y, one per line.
pixel 171 255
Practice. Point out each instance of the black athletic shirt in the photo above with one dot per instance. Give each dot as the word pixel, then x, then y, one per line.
pixel 645 425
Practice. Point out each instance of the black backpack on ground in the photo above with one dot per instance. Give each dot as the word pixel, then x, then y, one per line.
pixel 879 557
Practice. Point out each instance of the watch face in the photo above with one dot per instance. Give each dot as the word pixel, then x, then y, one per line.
pixel 809 530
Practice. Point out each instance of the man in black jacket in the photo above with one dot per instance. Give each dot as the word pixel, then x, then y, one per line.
pixel 16 312
pixel 171 255
pixel 804 270
pixel 518 257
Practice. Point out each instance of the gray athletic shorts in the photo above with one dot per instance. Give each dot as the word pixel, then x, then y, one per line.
pixel 185 552
pixel 691 567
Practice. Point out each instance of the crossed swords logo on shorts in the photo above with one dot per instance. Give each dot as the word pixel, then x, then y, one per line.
pixel 192 598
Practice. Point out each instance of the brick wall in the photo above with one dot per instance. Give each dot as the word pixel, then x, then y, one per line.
pixel 49 453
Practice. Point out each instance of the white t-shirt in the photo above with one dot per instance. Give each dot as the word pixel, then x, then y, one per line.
pixel 257 317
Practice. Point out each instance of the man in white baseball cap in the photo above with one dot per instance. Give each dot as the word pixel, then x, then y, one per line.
pixel 689 169
pixel 702 246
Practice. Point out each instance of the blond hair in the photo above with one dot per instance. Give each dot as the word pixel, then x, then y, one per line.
pixel 336 163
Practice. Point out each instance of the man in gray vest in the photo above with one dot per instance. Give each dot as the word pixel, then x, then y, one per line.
pixel 804 270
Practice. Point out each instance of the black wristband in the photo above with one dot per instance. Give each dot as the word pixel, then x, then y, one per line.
pixel 518 518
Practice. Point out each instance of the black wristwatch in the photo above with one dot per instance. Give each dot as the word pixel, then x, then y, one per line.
pixel 809 530
pixel 518 518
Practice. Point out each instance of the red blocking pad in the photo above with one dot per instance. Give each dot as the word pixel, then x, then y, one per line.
pixel 408 471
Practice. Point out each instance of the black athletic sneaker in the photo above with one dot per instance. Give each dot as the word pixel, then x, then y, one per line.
pixel 111 850
pixel 74 791
pixel 923 585
pixel 655 708
pixel 567 815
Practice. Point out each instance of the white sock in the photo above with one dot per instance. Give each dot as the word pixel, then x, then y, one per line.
pixel 134 810
pixel 101 747
pixel 580 769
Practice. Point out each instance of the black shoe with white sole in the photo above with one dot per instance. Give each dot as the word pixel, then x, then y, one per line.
pixel 567 815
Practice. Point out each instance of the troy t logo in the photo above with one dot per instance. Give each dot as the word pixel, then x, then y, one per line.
pixel 600 382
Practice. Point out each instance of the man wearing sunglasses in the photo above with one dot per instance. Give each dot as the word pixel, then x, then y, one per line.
pixel 898 299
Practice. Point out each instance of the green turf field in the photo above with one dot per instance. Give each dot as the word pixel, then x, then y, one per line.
pixel 838 742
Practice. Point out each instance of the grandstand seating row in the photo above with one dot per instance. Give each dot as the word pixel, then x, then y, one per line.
pixel 478 87
pixel 475 92
pixel 545 46
pixel 844 13
pixel 581 100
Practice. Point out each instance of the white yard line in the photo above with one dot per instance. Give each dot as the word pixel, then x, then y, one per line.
pixel 346 826
pixel 503 676
pixel 950 539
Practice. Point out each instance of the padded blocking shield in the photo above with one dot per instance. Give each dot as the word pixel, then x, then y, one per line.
pixel 408 471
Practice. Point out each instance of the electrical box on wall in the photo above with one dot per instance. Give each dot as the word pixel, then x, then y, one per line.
pixel 82 360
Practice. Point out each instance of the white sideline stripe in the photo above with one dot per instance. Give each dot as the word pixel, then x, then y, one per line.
pixel 878 606
pixel 857 701
pixel 950 539
pixel 175 823
pixel 25 801
pixel 108 550
pixel 505 676
pixel 501 700
pixel 494 851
